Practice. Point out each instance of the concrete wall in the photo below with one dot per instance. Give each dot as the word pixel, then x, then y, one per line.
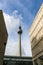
pixel 3 37
pixel 36 35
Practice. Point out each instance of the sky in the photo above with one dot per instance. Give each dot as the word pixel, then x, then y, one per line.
pixel 16 12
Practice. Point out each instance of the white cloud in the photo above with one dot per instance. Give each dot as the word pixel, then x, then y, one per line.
pixel 12 21
pixel 26 45
pixel 11 48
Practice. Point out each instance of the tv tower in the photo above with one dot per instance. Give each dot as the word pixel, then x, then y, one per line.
pixel 19 33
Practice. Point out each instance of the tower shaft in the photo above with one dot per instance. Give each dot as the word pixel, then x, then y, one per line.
pixel 19 33
pixel 20 45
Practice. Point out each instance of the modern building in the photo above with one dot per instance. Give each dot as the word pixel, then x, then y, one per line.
pixel 36 38
pixel 12 60
pixel 3 37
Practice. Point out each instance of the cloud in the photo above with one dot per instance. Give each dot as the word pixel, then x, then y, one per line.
pixel 17 4
pixel 12 21
pixel 26 45
pixel 11 48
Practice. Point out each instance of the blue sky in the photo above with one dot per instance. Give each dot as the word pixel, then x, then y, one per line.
pixel 16 11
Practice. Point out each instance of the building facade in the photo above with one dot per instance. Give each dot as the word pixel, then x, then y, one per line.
pixel 3 37
pixel 36 38
pixel 14 60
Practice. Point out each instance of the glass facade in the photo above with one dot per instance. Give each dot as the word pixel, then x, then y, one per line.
pixel 18 63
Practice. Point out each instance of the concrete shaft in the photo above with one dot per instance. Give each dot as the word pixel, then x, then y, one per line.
pixel 19 33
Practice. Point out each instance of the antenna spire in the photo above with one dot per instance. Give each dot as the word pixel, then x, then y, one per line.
pixel 20 23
